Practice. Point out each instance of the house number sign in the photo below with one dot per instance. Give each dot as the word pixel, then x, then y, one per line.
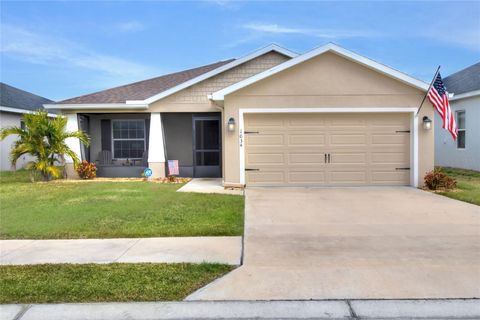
pixel 240 136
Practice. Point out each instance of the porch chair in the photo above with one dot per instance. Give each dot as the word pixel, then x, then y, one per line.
pixel 143 161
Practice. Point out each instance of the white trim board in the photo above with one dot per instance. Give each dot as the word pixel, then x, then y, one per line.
pixel 22 111
pixel 94 106
pixel 330 47
pixel 413 129
pixel 228 66
pixel 469 94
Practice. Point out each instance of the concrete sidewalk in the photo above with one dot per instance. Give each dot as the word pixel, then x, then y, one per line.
pixel 208 185
pixel 156 250
pixel 320 309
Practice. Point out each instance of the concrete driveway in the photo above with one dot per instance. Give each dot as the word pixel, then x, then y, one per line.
pixel 354 243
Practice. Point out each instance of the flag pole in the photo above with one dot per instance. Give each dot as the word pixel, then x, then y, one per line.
pixel 429 87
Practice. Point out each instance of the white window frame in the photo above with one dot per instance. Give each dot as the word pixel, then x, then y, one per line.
pixel 414 124
pixel 464 129
pixel 127 139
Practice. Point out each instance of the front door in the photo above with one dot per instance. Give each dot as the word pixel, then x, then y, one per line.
pixel 206 147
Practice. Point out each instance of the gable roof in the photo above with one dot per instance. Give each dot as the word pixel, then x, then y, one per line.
pixel 233 64
pixel 330 47
pixel 16 100
pixel 141 94
pixel 463 81
pixel 143 89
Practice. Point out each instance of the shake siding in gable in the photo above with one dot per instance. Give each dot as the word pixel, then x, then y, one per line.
pixel 194 98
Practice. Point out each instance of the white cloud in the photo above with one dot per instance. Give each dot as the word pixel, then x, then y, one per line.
pixel 131 26
pixel 25 45
pixel 271 28
pixel 464 37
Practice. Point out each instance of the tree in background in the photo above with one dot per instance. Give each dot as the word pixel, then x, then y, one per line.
pixel 44 138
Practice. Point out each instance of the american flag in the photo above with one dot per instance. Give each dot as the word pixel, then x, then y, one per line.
pixel 173 167
pixel 438 96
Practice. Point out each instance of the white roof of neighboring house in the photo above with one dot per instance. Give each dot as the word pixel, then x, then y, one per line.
pixel 330 47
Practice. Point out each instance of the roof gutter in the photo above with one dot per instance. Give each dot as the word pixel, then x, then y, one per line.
pixel 469 94
pixel 95 106
pixel 22 111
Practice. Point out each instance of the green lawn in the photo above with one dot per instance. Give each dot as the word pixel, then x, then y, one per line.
pixel 63 209
pixel 468 185
pixel 50 283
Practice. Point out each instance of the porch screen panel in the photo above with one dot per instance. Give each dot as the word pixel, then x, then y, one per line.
pixel 128 138
pixel 106 128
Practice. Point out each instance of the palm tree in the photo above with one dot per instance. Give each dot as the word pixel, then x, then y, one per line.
pixel 44 138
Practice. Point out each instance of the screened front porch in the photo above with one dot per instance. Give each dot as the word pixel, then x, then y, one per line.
pixel 121 142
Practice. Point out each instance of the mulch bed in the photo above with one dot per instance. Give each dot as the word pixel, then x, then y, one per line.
pixel 175 180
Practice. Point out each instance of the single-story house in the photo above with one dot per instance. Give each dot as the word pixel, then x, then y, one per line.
pixel 465 103
pixel 14 103
pixel 328 117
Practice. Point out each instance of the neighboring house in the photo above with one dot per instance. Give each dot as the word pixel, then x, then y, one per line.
pixel 13 104
pixel 271 118
pixel 465 103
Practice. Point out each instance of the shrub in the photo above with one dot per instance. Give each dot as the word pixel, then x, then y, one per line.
pixel 87 170
pixel 437 179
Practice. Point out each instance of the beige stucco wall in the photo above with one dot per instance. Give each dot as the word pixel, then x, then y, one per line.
pixel 327 80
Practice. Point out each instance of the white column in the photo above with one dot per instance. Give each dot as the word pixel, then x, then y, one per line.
pixel 414 150
pixel 72 143
pixel 156 148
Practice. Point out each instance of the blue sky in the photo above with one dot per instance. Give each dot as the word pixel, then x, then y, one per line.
pixel 64 49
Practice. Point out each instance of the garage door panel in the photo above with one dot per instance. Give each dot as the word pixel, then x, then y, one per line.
pixel 348 158
pixel 312 158
pixel 266 177
pixel 348 177
pixel 308 177
pixel 390 157
pixel 269 140
pixel 265 158
pixel 347 122
pixel 306 122
pixel 314 140
pixel 355 139
pixel 389 139
pixel 390 177
pixel 365 149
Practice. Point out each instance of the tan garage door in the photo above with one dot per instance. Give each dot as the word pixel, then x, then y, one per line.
pixel 327 149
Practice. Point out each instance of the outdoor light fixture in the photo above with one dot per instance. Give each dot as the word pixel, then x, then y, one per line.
pixel 427 123
pixel 231 124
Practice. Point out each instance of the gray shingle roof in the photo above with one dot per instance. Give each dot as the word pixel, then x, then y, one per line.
pixel 465 80
pixel 143 89
pixel 16 98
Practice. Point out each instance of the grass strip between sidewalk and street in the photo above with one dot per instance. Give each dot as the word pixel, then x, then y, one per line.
pixel 58 283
